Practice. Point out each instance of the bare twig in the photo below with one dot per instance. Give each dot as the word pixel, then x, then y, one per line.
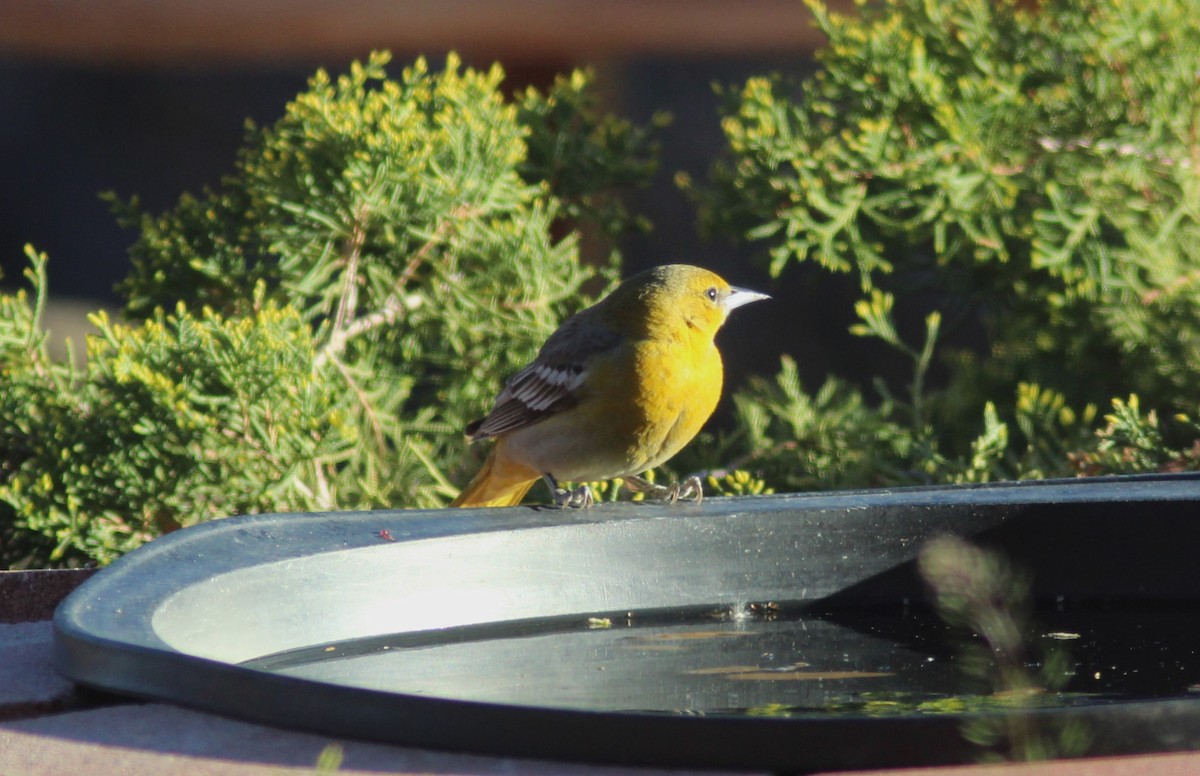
pixel 394 306
pixel 324 495
pixel 1053 145
pixel 353 251
pixel 372 417
pixel 1152 296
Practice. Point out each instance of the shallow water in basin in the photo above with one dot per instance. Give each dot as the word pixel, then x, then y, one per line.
pixel 766 659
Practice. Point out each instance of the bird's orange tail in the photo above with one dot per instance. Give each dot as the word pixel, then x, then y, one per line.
pixel 500 483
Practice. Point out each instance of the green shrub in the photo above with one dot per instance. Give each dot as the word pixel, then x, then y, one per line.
pixel 315 332
pixel 179 419
pixel 1029 167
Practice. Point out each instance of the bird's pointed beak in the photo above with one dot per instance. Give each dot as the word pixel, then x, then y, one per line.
pixel 740 296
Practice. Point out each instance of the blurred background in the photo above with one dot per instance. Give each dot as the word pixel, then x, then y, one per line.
pixel 149 98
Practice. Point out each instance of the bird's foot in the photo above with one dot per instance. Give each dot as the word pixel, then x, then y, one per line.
pixel 689 489
pixel 579 498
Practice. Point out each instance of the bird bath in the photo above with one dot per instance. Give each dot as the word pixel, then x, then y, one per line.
pixel 783 632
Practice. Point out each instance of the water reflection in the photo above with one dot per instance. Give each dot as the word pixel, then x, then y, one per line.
pixel 781 659
pixel 986 599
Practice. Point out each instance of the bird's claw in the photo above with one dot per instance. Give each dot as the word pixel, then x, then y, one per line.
pixel 579 498
pixel 689 489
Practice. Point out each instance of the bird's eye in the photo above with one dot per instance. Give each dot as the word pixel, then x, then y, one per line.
pixel 711 293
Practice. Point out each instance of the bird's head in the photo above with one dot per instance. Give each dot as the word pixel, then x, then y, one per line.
pixel 676 294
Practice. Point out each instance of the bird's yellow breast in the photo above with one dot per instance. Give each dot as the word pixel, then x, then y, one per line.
pixel 680 388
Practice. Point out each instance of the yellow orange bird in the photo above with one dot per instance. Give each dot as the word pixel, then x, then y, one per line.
pixel 618 389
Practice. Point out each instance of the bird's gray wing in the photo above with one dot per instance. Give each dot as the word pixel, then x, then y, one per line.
pixel 549 384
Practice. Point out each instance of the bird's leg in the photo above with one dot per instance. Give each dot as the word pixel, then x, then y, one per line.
pixel 690 488
pixel 580 498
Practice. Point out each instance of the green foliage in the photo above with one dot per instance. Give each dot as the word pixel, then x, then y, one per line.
pixel 829 440
pixel 180 419
pixel 315 332
pixel 330 759
pixel 584 155
pixel 1027 172
pixel 738 482
pixel 1133 442
pixel 835 439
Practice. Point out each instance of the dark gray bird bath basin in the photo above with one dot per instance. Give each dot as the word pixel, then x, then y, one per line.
pixel 750 632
